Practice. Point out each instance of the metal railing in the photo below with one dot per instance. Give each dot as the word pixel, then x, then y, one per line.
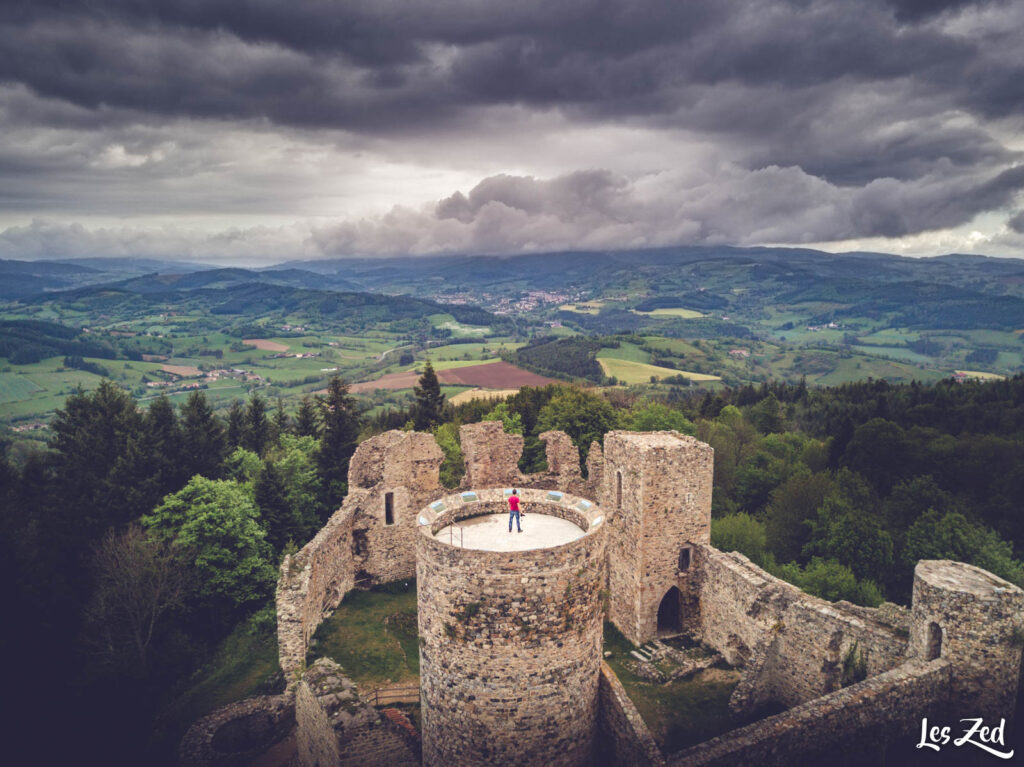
pixel 451 535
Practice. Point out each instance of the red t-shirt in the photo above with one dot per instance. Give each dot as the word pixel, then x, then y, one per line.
pixel 513 503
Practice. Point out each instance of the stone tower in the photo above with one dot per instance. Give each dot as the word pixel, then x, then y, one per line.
pixel 656 488
pixel 974 620
pixel 510 641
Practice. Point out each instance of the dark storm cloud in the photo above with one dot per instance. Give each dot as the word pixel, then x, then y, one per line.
pixel 377 63
pixel 917 10
pixel 823 119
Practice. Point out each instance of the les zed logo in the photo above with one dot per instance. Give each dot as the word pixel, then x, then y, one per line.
pixel 976 734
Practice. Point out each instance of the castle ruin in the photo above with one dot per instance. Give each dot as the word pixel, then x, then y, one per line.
pixel 511 641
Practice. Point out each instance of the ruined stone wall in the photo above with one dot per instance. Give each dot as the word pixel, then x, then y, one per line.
pixel 973 619
pixel 563 461
pixel 407 478
pixel 313 582
pixel 834 726
pixel 510 642
pixel 335 728
pixel 657 489
pixel 622 734
pixel 234 735
pixel 739 602
pixel 804 654
pixel 358 546
pixel 491 456
pixel 794 644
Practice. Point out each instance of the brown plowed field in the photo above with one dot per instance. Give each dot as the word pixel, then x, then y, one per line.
pixel 390 381
pixel 265 345
pixel 185 371
pixel 495 375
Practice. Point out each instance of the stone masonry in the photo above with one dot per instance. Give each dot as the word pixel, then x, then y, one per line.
pixel 336 727
pixel 491 455
pixel 511 642
pixel 975 621
pixel 657 489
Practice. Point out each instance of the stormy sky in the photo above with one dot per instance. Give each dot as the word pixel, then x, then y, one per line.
pixel 254 131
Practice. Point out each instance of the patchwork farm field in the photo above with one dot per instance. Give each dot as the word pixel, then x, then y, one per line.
pixel 488 375
pixel 639 372
pixel 686 314
pixel 473 394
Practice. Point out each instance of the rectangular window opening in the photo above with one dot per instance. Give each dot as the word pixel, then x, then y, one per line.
pixel 389 508
pixel 684 559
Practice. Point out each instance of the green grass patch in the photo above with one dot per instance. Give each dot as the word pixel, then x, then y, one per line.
pixel 373 636
pixel 674 346
pixel 15 387
pixel 896 352
pixel 625 351
pixel 686 314
pixel 475 352
pixel 679 714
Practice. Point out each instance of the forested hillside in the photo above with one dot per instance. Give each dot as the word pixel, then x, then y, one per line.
pixel 143 542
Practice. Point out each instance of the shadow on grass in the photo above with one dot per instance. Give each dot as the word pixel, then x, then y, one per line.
pixel 678 714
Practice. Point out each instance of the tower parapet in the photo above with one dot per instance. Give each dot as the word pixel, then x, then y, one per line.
pixel 510 641
pixel 973 619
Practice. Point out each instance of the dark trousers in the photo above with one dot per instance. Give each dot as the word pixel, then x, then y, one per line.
pixel 514 515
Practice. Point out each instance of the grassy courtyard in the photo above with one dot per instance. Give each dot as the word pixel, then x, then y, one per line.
pixel 679 714
pixel 373 636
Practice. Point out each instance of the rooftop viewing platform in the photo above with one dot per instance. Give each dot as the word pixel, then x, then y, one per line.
pixel 491 532
pixel 480 519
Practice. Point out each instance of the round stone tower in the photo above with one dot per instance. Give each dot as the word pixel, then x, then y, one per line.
pixel 972 619
pixel 510 629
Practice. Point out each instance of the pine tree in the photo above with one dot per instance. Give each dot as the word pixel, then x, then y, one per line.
pixel 203 440
pixel 276 514
pixel 163 446
pixel 429 400
pixel 91 434
pixel 257 427
pixel 338 439
pixel 282 421
pixel 236 425
pixel 307 422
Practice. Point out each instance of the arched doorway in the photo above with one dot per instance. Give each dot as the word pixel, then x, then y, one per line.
pixel 670 618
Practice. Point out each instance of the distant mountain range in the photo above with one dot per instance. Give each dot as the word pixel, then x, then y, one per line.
pixel 958 291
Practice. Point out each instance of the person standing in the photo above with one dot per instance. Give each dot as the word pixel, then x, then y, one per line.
pixel 513 510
